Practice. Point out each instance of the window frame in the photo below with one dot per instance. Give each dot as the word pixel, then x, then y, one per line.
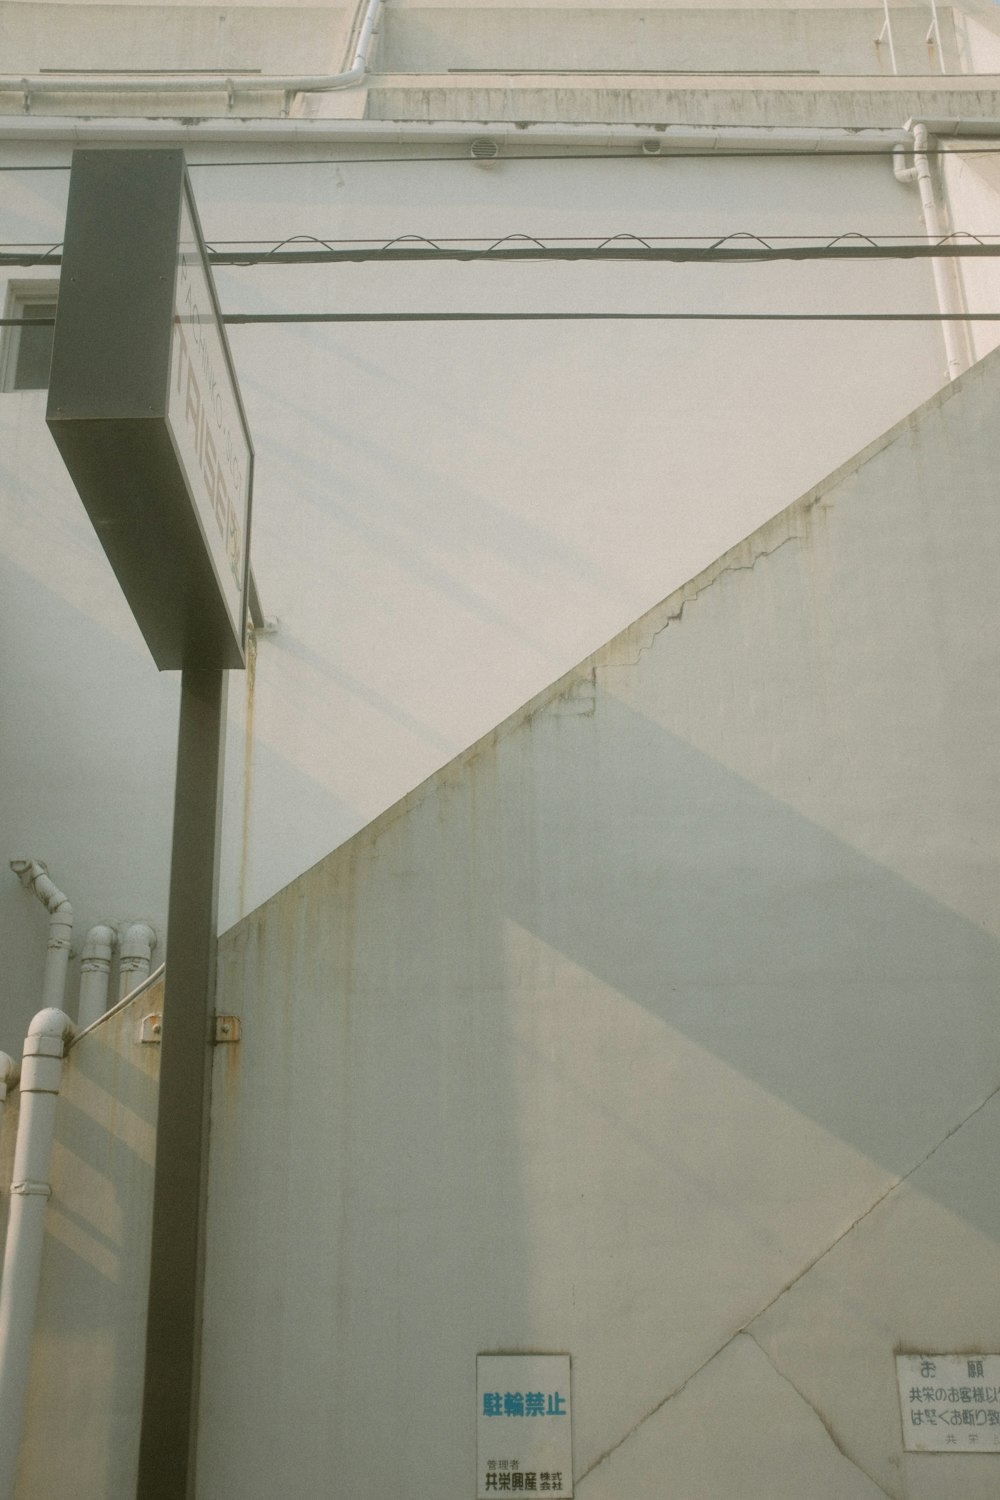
pixel 20 296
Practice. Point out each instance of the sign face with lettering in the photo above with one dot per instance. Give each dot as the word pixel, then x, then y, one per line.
pixel 524 1424
pixel 950 1402
pixel 145 407
pixel 206 420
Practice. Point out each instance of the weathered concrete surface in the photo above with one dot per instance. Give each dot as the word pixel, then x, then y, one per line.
pixel 675 39
pixel 479 507
pixel 607 1034
pixel 920 1270
pixel 738 1429
pixel 685 99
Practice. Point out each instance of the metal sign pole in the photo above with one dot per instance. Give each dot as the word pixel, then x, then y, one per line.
pixel 173 1333
pixel 145 407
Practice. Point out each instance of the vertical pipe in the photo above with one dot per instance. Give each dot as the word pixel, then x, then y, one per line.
pixel 138 942
pixel 95 971
pixel 887 31
pixel 948 300
pixel 173 1332
pixel 935 32
pixel 41 1074
pixel 943 283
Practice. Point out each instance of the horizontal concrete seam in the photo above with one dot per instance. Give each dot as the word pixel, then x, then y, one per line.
pixel 747 1326
pixel 820 1418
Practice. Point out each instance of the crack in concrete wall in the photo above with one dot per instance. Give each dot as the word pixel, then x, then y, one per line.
pixel 696 594
pixel 614 1448
pixel 892 1188
pixel 746 1328
pixel 831 1434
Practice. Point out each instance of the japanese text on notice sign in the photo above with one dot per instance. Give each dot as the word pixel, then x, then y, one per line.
pixel 950 1403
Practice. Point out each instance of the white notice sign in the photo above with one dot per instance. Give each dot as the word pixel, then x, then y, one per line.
pixel 950 1402
pixel 524 1436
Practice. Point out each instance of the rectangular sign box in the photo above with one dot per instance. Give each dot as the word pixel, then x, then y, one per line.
pixel 145 408
pixel 524 1425
pixel 950 1403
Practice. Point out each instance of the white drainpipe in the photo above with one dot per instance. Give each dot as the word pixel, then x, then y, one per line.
pixel 41 1074
pixel 138 942
pixel 194 84
pixel 34 876
pixel 95 973
pixel 944 285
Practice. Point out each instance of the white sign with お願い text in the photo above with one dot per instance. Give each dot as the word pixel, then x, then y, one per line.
pixel 950 1402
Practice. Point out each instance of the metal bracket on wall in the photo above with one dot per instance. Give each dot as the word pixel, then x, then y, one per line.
pixel 151 1028
pixel 224 1029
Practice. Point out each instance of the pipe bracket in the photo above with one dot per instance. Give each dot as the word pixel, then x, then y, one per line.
pixel 31 1189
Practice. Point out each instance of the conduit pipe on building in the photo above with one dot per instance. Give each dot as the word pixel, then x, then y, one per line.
pixel 649 140
pixel 95 974
pixel 958 126
pixel 135 957
pixel 41 1075
pixel 944 285
pixel 34 876
pixel 199 84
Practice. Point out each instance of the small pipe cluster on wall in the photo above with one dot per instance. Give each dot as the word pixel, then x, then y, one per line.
pixel 39 1077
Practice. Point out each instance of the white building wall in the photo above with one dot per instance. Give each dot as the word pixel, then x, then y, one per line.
pixel 446 516
pixel 657 1029
pixel 972 184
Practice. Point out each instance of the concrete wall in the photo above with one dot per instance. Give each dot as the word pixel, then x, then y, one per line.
pixel 977 40
pixel 447 517
pixel 235 39
pixel 660 1029
pixel 972 185
pixel 81 1435
pixel 671 39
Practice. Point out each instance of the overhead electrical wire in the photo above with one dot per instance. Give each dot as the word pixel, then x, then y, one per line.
pixel 626 153
pixel 570 317
pixel 526 248
pixel 242 319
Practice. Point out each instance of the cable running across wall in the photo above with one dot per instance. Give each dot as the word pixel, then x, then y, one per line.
pixel 738 247
pixel 244 319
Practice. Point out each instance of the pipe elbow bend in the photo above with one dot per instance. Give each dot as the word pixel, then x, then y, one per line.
pixel 49 1026
pixel 34 876
pixel 138 941
pixel 99 944
pixel 346 80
